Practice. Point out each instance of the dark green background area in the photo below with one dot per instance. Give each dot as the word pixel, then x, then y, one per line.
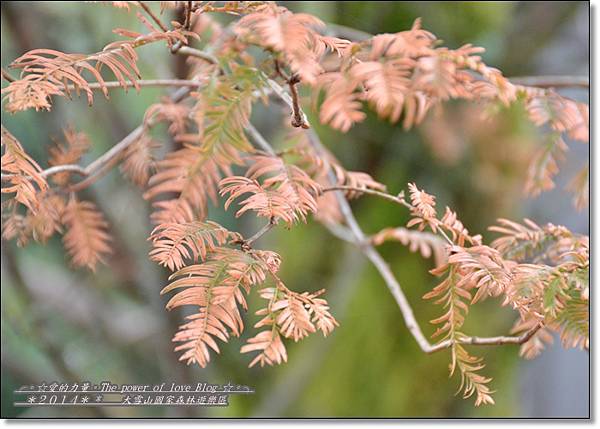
pixel 61 324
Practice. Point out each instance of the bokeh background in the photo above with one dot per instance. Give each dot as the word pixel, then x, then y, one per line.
pixel 60 324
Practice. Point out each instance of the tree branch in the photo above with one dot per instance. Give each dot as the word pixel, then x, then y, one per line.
pixel 191 52
pixel 552 81
pixel 155 18
pixel 395 199
pixel 97 169
pixel 285 97
pixel 148 82
pixel 362 242
pixel 250 241
pixel 489 341
pixel 7 76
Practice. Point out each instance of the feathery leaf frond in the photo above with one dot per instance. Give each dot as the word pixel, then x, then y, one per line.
pixel 47 72
pixel 23 173
pixel 86 238
pixel 215 287
pixel 75 145
pixel 427 244
pixel 287 192
pixel 174 242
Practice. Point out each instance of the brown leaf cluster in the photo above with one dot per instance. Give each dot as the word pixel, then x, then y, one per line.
pixel 47 72
pixel 285 191
pixel 23 174
pixel 75 145
pixel 86 238
pixel 541 272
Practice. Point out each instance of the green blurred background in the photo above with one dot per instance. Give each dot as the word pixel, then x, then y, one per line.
pixel 60 324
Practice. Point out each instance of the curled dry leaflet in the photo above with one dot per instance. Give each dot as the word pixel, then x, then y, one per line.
pixel 539 271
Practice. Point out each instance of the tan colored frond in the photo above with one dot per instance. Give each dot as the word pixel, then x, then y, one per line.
pixel 139 161
pixel 482 268
pixel 266 203
pixel 318 309
pixel 23 174
pixel 580 186
pixel 272 349
pixel 544 166
pixel 47 72
pixel 39 225
pixel 341 108
pixel 415 42
pixel 193 175
pixel 288 314
pixel 386 84
pixel 473 383
pixel 289 179
pixel 439 78
pixel 175 114
pixel 287 192
pixel 423 209
pixel 86 238
pixel 75 145
pixel 560 113
pixel 293 319
pixel 214 286
pixel 460 234
pixel 174 242
pixel 340 46
pixel 292 34
pixel 427 244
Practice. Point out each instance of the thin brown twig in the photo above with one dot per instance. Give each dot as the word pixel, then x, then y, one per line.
pixel 269 226
pixel 188 16
pixel 187 24
pixel 287 99
pixel 7 77
pixel 147 82
pixel 155 18
pixel 297 117
pixel 395 199
pixel 70 168
pixel 191 52
pixel 552 81
pixel 489 341
pixel 363 244
pixel 97 169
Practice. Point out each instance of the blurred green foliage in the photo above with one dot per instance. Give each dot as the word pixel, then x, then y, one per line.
pixel 370 366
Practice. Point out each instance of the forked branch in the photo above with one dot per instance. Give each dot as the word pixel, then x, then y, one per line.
pixel 363 244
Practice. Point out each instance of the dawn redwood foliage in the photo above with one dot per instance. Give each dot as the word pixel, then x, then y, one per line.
pixel 540 271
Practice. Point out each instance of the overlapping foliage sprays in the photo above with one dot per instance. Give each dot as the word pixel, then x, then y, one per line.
pixel 542 272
